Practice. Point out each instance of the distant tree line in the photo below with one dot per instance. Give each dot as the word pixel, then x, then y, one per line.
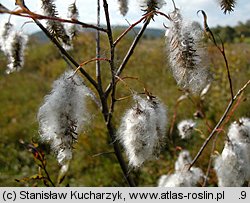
pixel 238 33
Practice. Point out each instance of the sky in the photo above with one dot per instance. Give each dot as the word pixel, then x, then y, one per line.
pixel 87 10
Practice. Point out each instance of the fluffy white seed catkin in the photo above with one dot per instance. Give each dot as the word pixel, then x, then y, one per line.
pixel 239 131
pixel 6 29
pixel 141 131
pixel 230 167
pixel 163 180
pixel 73 13
pixel 123 6
pixel 239 134
pixel 187 58
pixel 63 115
pixel 13 44
pixel 227 5
pixel 185 128
pixel 149 5
pixel 233 165
pixel 182 177
pixel 183 160
pixel 161 122
pixel 15 54
pixel 55 28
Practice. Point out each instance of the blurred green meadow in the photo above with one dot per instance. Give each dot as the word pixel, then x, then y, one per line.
pixel 94 164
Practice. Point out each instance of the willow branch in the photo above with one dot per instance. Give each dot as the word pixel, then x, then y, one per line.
pixel 227 67
pixel 131 27
pixel 107 112
pixel 63 51
pixel 216 136
pixel 129 53
pixel 210 35
pixel 112 56
pixel 89 61
pixel 98 49
pixel 132 48
pixel 26 13
pixel 223 117
pixel 47 174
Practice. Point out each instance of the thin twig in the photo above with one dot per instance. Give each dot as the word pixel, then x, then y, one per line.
pixel 223 117
pixel 131 50
pixel 129 54
pixel 162 14
pixel 131 27
pixel 124 83
pixel 112 55
pixel 102 153
pixel 109 29
pixel 98 49
pixel 47 174
pixel 216 137
pixel 135 33
pixel 124 98
pixel 94 59
pixel 228 70
pixel 26 13
pixel 63 51
pixel 111 62
pixel 89 61
pixel 40 158
pixel 131 78
pixel 107 112
pixel 210 35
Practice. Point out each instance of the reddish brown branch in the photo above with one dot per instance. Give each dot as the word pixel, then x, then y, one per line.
pixel 108 111
pixel 92 60
pixel 223 117
pixel 221 49
pixel 131 27
pixel 217 134
pixel 89 61
pixel 129 54
pixel 29 14
pixel 98 49
pixel 136 23
pixel 162 14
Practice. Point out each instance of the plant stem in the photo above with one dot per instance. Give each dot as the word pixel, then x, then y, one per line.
pixel 223 117
pixel 131 27
pixel 215 139
pixel 210 35
pixel 108 112
pixel 129 54
pixel 228 71
pixel 26 13
pixel 64 52
pixel 47 174
pixel 98 48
